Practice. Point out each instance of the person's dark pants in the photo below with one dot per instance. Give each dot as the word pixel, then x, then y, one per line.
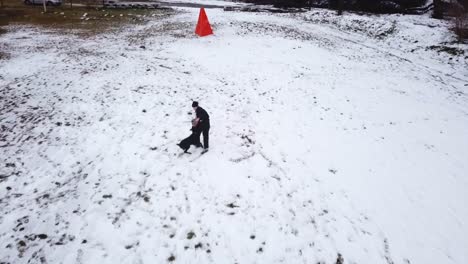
pixel 205 129
pixel 206 136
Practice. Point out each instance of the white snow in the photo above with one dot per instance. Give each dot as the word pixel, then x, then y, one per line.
pixel 326 138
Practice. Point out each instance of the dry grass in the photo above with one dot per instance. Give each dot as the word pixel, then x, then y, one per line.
pixel 80 18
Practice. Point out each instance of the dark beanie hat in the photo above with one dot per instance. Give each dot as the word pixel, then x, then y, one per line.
pixel 195 104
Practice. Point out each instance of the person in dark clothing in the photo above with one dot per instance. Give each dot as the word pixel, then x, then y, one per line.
pixel 203 120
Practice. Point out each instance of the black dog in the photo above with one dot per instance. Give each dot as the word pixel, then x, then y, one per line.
pixel 193 139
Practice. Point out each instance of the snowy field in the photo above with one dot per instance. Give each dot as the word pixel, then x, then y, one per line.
pixel 332 141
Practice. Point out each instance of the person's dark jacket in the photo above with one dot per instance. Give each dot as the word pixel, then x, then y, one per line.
pixel 203 116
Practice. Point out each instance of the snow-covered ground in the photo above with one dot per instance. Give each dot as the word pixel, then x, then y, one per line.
pixel 332 141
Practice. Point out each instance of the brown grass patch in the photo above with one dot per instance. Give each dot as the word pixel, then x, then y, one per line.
pixel 82 19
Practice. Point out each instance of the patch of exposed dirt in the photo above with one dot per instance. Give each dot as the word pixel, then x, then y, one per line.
pixel 450 50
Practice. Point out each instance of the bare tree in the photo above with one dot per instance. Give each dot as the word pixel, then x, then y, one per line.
pixel 337 5
pixel 438 9
pixel 460 16
pixel 340 7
